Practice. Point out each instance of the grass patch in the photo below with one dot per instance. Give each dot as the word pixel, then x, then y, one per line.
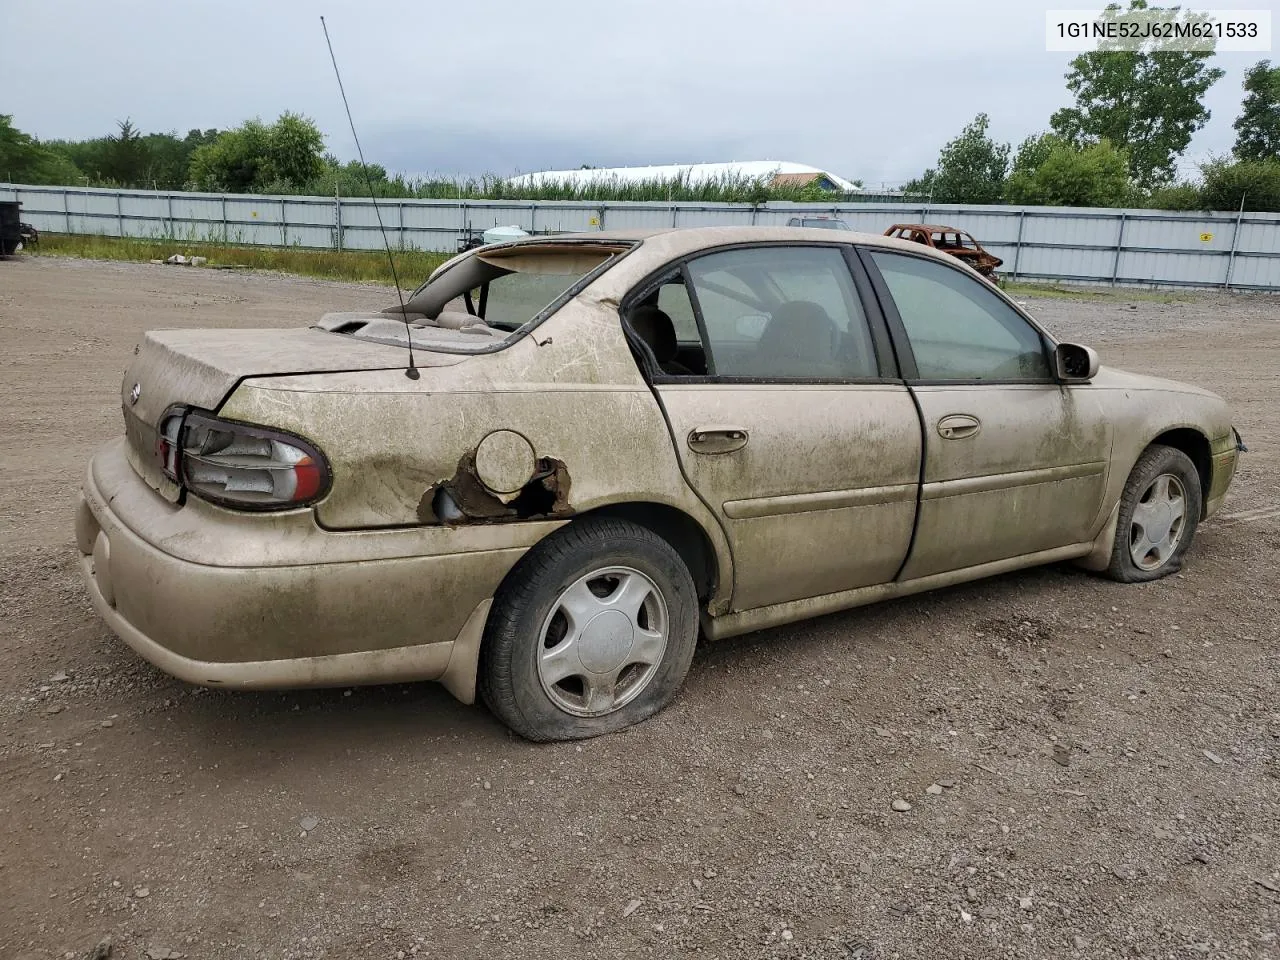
pixel 353 265
pixel 1053 291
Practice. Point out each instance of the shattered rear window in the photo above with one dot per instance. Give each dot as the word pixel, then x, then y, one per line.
pixel 485 301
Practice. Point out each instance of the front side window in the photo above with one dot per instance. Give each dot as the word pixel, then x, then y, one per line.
pixel 958 328
pixel 786 313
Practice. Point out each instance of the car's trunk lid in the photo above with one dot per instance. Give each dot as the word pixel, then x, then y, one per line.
pixel 199 368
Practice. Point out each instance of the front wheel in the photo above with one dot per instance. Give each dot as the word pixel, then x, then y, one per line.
pixel 592 631
pixel 1159 513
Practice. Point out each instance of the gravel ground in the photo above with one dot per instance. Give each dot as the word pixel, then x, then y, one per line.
pixel 1091 770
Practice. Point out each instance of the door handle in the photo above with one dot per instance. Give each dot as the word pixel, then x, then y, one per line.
pixel 958 426
pixel 717 439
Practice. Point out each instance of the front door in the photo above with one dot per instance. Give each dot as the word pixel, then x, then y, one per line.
pixel 1014 462
pixel 788 421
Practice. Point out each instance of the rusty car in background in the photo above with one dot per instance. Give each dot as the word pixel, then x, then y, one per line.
pixel 949 240
pixel 606 446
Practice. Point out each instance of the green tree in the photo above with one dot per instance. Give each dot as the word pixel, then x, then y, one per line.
pixel 971 168
pixel 1179 196
pixel 921 185
pixel 1147 102
pixel 125 156
pixel 20 155
pixel 1258 126
pixel 295 148
pixel 23 159
pixel 254 156
pixel 1051 171
pixel 1256 183
pixel 235 162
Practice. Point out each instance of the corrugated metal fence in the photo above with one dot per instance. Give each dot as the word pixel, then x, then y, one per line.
pixel 1234 250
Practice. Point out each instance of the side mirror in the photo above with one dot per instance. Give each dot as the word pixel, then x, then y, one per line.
pixel 1073 363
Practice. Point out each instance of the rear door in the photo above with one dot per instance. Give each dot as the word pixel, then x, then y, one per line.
pixel 799 436
pixel 1014 462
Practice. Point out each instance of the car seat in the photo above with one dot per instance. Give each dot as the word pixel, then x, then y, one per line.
pixel 801 340
pixel 655 328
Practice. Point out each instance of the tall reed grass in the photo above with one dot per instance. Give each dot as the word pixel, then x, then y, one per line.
pixel 371 266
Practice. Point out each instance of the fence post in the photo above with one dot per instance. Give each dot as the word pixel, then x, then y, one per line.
pixel 1017 244
pixel 119 217
pixel 675 212
pixel 602 210
pixel 400 214
pixel 337 215
pixel 225 239
pixel 1235 241
pixel 66 209
pixel 1115 267
pixel 284 225
pixel 533 215
pixel 169 211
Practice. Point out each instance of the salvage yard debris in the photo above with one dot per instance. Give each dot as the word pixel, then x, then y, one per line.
pixel 183 261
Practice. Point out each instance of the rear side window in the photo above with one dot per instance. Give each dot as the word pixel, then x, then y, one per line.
pixel 513 298
pixel 958 328
pixel 673 300
pixel 782 313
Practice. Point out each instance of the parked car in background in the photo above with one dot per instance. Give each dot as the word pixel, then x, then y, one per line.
pixel 951 240
pixel 609 445
pixel 470 240
pixel 10 227
pixel 820 223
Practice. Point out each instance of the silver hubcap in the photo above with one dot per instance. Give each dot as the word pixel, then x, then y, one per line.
pixel 602 642
pixel 1158 522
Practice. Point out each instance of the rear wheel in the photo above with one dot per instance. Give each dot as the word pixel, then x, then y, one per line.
pixel 592 631
pixel 1159 513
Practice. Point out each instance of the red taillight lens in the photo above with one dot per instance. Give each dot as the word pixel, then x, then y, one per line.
pixel 241 465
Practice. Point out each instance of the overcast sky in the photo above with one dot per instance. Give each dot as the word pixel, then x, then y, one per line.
pixel 868 90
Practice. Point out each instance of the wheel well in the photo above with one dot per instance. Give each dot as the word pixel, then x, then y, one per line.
pixel 680 530
pixel 1196 446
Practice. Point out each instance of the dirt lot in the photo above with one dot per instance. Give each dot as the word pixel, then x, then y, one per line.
pixel 1109 756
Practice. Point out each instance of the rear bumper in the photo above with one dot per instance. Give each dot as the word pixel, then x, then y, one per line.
pixel 296 617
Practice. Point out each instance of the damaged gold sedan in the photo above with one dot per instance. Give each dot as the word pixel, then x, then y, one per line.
pixel 607 445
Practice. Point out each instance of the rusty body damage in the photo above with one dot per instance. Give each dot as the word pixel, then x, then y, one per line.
pixel 949 240
pixel 437 486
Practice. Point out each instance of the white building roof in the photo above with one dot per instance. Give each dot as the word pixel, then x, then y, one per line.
pixel 691 172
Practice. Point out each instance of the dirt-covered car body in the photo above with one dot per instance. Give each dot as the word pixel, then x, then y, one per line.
pixel 796 467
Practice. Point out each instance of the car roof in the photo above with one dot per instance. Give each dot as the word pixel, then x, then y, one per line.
pixel 689 239
pixel 695 237
pixel 656 246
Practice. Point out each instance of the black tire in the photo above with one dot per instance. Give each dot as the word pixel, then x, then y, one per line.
pixel 1155 462
pixel 508 678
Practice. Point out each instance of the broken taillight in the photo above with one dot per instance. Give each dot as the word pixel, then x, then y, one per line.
pixel 240 465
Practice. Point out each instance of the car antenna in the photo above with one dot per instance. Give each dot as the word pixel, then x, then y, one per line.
pixel 412 371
